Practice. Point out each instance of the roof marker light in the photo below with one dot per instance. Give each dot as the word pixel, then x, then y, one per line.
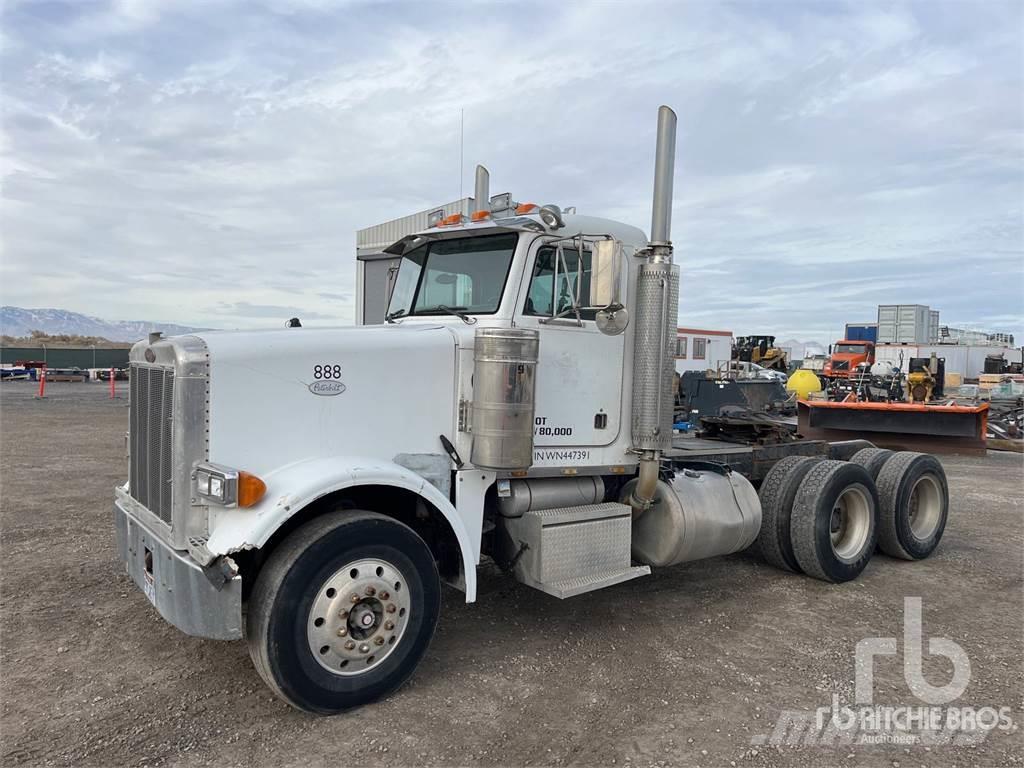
pixel 502 202
pixel 451 221
pixel 526 208
pixel 479 215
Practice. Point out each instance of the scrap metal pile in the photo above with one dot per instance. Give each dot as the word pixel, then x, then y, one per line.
pixel 1006 424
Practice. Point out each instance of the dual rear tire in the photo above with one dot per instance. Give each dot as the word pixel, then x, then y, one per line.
pixel 777 494
pixel 825 518
pixel 834 524
pixel 914 498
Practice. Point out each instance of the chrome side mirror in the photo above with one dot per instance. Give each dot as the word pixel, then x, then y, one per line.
pixel 605 283
pixel 605 271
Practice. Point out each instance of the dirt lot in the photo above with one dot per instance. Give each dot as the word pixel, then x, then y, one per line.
pixel 691 666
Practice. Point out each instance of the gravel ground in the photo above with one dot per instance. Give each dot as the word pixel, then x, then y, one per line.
pixel 690 666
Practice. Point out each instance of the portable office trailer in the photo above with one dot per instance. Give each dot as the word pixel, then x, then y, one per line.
pixel 700 350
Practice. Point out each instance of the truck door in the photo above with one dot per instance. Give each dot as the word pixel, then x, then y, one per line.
pixel 579 372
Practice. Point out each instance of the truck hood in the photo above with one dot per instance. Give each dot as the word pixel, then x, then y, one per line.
pixel 285 395
pixel 299 337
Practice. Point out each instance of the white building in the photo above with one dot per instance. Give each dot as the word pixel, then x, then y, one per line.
pixel 698 349
pixel 968 360
pixel 376 270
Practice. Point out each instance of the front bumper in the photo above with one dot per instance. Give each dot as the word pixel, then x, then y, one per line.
pixel 176 585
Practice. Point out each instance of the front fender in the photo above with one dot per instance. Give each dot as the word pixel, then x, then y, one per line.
pixel 295 486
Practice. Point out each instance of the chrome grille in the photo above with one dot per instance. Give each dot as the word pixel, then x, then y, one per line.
pixel 150 442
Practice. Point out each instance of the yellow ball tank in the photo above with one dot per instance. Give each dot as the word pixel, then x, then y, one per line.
pixel 803 382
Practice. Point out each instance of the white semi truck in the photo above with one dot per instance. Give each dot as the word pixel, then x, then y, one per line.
pixel 308 490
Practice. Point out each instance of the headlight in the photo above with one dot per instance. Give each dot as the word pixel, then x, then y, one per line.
pixel 226 486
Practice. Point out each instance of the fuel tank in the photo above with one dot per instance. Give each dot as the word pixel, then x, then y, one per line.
pixel 701 513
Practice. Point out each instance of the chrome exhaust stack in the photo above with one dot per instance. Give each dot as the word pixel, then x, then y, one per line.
pixel 664 176
pixel 655 327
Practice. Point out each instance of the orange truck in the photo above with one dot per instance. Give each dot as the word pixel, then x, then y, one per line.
pixel 846 355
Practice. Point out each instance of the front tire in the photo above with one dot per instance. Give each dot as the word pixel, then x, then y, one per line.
pixel 343 611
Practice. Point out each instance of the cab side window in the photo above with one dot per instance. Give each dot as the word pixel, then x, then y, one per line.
pixel 547 297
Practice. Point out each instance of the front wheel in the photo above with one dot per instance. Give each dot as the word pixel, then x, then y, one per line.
pixel 343 611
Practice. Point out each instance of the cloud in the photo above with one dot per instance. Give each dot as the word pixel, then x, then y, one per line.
pixel 209 162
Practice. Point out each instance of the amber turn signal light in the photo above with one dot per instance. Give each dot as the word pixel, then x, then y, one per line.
pixel 250 489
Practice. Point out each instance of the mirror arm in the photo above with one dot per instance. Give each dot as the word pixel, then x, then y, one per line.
pixel 560 261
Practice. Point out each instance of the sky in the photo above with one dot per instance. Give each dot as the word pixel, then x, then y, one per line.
pixel 208 162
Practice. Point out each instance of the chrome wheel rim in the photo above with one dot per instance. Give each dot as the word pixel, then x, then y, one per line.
pixel 925 512
pixel 358 617
pixel 850 524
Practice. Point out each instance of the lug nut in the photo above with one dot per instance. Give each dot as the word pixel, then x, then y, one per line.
pixel 389 625
pixel 342 632
pixel 390 608
pixel 370 591
pixel 385 596
pixel 355 598
pixel 343 614
pixel 364 648
pixel 379 640
pixel 349 645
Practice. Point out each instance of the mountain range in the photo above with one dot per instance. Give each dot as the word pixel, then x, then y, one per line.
pixel 18 321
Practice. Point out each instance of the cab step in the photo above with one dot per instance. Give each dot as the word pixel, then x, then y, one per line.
pixel 571 550
pixel 581 584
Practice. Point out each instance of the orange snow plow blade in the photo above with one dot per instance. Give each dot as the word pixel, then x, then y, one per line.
pixel 930 427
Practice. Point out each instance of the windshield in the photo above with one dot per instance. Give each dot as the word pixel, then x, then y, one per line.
pixel 849 349
pixel 467 274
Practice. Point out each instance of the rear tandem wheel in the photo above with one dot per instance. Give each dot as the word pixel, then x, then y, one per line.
pixel 914 504
pixel 834 525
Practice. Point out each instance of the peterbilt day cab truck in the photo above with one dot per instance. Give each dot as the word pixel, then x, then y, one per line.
pixel 309 490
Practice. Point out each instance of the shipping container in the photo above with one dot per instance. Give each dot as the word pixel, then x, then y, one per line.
pixel 903 323
pixel 861 332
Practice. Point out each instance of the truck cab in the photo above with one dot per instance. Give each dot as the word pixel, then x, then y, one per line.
pixel 846 355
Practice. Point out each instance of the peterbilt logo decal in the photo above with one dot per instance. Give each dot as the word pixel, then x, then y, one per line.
pixel 326 388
